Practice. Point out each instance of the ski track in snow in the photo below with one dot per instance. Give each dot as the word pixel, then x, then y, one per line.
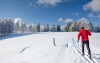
pixel 39 48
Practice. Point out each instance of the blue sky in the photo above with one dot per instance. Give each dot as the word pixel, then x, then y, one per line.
pixel 51 11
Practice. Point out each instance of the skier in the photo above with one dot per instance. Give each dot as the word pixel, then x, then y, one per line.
pixel 85 40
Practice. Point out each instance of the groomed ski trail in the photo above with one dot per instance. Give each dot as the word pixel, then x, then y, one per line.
pixel 78 48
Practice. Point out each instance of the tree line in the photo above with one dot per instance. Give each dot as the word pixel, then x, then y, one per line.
pixel 9 26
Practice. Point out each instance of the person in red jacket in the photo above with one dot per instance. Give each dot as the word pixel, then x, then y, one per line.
pixel 85 40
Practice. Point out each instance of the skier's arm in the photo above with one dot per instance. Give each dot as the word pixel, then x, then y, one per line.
pixel 89 33
pixel 79 34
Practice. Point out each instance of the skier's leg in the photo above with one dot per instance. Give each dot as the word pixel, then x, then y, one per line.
pixel 82 48
pixel 88 48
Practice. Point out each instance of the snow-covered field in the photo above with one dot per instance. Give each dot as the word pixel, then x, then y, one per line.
pixel 39 48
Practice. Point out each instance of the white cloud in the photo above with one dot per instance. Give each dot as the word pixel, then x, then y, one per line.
pixel 65 20
pixel 94 5
pixel 68 20
pixel 91 15
pixel 50 2
pixel 32 5
pixel 60 20
pixel 76 13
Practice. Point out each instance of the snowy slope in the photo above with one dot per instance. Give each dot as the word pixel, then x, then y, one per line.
pixel 39 48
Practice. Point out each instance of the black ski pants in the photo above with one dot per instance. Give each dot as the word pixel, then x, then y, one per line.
pixel 87 45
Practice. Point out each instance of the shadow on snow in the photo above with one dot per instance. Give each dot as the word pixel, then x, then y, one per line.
pixel 16 35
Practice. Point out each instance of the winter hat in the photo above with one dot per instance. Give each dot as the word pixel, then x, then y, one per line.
pixel 82 27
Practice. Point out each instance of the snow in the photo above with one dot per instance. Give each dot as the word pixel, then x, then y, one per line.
pixel 18 20
pixel 39 48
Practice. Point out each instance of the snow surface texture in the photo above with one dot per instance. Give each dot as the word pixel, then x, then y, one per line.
pixel 39 48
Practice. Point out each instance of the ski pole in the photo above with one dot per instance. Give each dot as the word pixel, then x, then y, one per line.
pixel 54 41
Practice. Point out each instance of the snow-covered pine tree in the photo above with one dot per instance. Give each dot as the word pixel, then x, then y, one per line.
pixel 17 25
pixel 73 27
pixel 45 28
pixel 48 29
pixel 34 27
pixel 64 28
pixel 98 28
pixel 3 27
pixel 53 28
pixel 6 26
pixel 69 23
pixel 58 28
pixel 91 26
pixel 10 26
pixel 23 28
pixel 29 28
pixel 38 27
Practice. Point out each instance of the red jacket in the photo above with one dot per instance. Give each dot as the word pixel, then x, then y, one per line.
pixel 84 35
